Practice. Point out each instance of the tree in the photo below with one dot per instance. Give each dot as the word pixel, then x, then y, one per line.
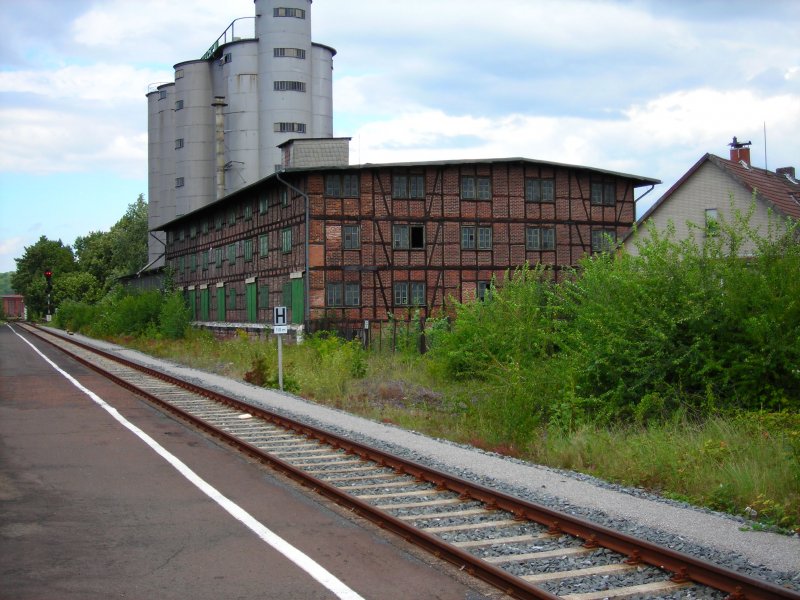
pixel 120 251
pixel 29 279
pixel 5 283
pixel 128 240
pixel 79 286
pixel 94 252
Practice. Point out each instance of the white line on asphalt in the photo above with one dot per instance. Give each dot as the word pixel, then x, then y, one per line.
pixel 306 563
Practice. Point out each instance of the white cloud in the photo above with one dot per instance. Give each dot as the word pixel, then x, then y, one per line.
pixel 98 82
pixel 48 141
pixel 660 139
pixel 147 30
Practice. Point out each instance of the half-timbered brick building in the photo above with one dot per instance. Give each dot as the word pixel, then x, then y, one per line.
pixel 347 243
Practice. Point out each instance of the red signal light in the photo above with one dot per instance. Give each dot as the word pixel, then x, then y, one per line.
pixel 48 273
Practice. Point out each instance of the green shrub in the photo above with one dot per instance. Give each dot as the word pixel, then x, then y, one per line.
pixel 174 316
pixel 685 328
pixel 75 316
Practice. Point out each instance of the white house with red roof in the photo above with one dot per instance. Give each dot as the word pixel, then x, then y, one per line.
pixel 713 188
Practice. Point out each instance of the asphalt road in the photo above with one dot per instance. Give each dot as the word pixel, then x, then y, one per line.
pixel 89 510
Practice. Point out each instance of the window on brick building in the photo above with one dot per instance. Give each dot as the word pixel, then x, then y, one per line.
pixel 262 204
pixel 483 290
pixel 351 237
pixel 476 237
pixel 263 245
pixel 263 296
pixel 248 211
pixel 338 185
pixel 476 188
pixel 406 237
pixel 286 240
pixel 231 253
pixel 409 293
pixel 218 257
pixel 333 295
pixel 468 238
pixel 417 293
pixel 408 186
pixel 204 226
pixel 219 221
pixel 603 240
pixel 484 238
pixel 352 294
pixel 540 238
pixel 604 193
pixel 540 190
pixel 193 262
pixel 248 250
pixel 193 231
pixel 401 293
pixel 231 216
pixel 205 260
pixel 283 196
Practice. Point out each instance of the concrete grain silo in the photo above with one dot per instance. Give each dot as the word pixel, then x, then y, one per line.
pixel 217 128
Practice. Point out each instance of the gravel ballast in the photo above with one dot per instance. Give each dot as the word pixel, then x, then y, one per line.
pixel 719 538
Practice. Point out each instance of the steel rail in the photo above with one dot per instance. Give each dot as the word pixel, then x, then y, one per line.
pixel 683 566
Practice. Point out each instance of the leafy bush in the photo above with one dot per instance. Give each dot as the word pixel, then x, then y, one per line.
pixel 174 316
pixel 514 325
pixel 75 316
pixel 683 328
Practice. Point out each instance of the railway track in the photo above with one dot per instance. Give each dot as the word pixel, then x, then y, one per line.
pixel 523 549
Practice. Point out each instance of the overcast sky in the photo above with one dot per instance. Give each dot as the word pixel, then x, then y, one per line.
pixel 643 87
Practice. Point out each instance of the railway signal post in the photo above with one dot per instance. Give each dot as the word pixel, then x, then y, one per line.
pixel 47 275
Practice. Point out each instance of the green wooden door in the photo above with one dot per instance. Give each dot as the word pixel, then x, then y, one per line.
pixel 220 304
pixel 251 298
pixel 297 301
pixel 204 304
pixel 193 304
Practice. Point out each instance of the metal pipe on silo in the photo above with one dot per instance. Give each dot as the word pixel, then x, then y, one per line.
pixel 219 138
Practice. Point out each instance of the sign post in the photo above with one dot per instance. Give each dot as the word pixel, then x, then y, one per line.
pixel 279 328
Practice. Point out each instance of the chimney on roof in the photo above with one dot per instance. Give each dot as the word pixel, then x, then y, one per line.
pixel 740 151
pixel 786 171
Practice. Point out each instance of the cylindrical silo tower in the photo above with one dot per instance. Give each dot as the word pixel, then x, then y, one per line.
pixel 322 91
pixel 235 78
pixel 285 59
pixel 193 144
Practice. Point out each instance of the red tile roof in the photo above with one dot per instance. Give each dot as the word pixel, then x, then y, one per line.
pixel 775 190
pixel 778 190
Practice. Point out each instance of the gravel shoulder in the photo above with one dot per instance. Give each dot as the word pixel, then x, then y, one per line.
pixel 713 536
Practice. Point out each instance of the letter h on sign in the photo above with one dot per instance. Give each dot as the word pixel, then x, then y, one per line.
pixel 279 315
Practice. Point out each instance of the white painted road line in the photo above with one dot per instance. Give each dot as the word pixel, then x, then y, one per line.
pixel 306 563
